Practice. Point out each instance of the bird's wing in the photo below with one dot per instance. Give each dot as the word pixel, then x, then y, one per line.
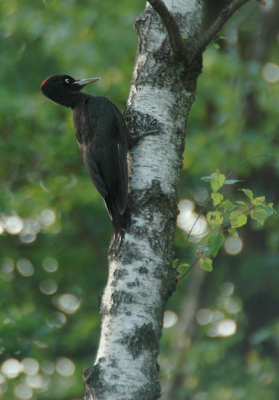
pixel 105 154
pixel 90 161
pixel 122 199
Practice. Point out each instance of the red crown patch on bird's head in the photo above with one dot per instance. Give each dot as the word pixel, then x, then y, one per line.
pixel 45 80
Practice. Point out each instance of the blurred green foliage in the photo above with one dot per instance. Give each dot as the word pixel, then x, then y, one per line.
pixel 44 186
pixel 55 229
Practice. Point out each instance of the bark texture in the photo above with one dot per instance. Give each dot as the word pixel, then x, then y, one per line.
pixel 141 276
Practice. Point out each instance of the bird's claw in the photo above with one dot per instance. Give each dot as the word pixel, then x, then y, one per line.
pixel 146 131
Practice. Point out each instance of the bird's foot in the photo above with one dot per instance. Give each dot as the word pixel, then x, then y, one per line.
pixel 134 139
pixel 146 132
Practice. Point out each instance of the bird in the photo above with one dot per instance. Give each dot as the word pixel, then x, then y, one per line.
pixel 104 140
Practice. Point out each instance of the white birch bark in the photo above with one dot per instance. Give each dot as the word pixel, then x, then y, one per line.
pixel 141 277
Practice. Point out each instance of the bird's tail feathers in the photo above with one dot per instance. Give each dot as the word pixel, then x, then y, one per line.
pixel 121 223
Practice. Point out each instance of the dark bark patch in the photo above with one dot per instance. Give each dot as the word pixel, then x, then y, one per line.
pixel 149 391
pixel 143 338
pixel 119 298
pixel 113 363
pixel 143 271
pixel 94 386
pixel 131 285
pixel 118 274
pixel 92 383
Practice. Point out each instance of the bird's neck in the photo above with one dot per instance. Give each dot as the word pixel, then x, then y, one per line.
pixel 78 99
pixel 72 101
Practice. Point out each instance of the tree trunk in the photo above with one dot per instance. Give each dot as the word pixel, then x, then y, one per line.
pixel 141 277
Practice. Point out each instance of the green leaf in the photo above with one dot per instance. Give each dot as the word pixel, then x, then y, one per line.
pixel 227 205
pixel 184 265
pixel 206 178
pixel 205 249
pixel 259 215
pixel 175 263
pixel 233 232
pixel 215 243
pixel 217 198
pixel 217 46
pixel 214 218
pixel 206 264
pixel 217 181
pixel 232 181
pixel 237 219
pixel 259 201
pixel 248 193
pixel 269 209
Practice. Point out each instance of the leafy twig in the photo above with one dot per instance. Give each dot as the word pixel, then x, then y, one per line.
pixel 260 218
pixel 179 278
pixel 249 159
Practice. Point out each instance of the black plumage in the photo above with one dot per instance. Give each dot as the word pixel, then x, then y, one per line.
pixel 104 141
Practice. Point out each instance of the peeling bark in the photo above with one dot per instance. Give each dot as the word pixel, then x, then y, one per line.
pixel 141 277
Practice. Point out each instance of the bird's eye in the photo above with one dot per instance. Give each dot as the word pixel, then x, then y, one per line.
pixel 67 80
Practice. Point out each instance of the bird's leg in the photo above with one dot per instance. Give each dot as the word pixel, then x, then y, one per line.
pixel 133 140
pixel 146 131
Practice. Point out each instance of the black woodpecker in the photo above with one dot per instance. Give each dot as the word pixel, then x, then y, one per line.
pixel 103 140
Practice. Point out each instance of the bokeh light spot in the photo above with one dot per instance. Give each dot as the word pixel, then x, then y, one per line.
pixel 170 318
pixel 232 306
pixel 25 267
pixel 50 264
pixel 56 320
pixel 201 195
pixel 47 217
pixel 271 72
pixel 48 287
pixel 30 230
pixel 188 221
pixel 13 224
pixel 233 245
pixel 11 368
pixel 22 391
pixel 227 289
pixel 204 316
pixel 65 367
pixel 48 367
pixel 232 36
pixel 72 181
pixel 28 238
pixel 68 303
pixel 7 265
pixel 227 327
pixel 217 316
pixel 37 381
pixel 30 366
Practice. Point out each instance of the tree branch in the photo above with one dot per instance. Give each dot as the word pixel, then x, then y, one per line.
pixel 215 28
pixel 178 46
